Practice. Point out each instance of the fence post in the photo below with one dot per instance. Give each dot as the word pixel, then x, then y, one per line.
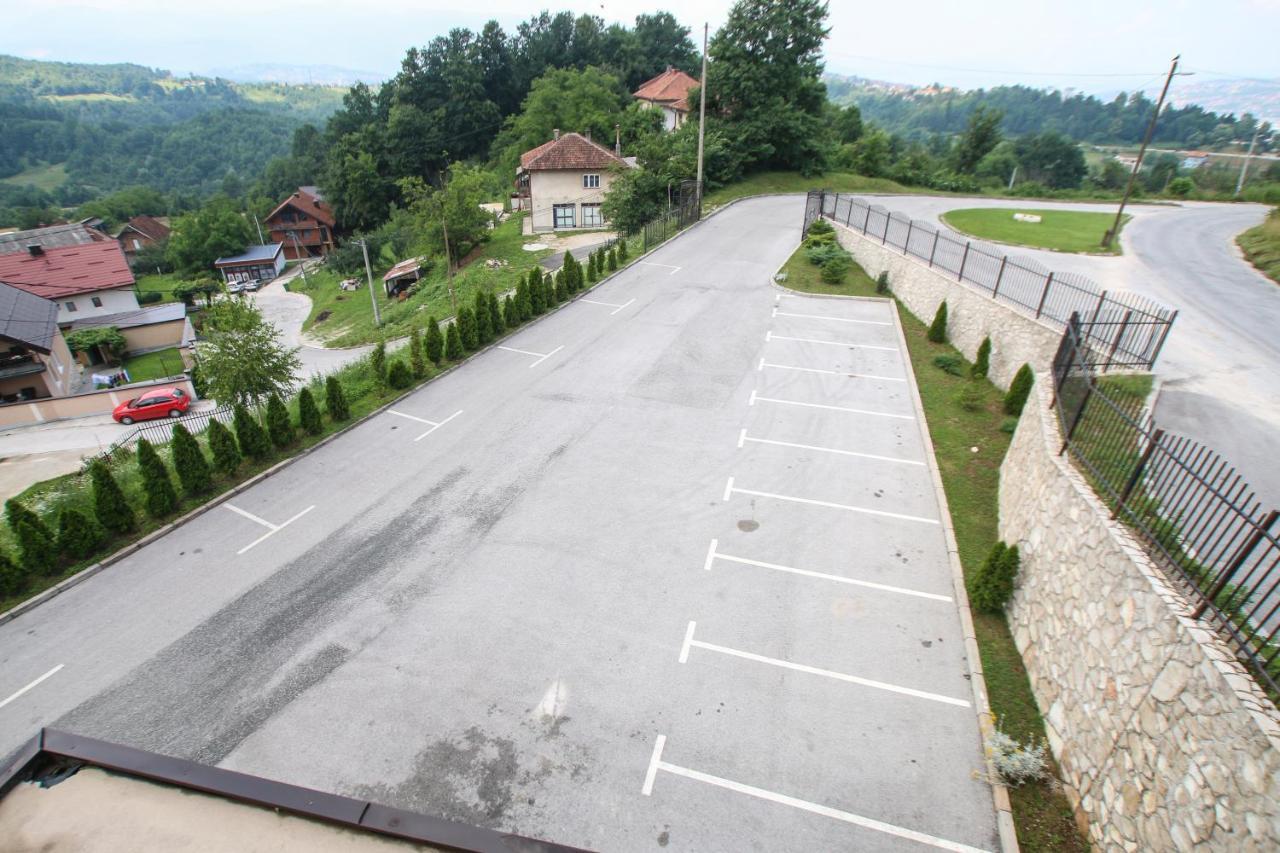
pixel 1115 345
pixel 906 247
pixel 1163 336
pixel 1096 311
pixel 934 249
pixel 848 217
pixel 1239 560
pixel 1048 282
pixel 885 236
pixel 866 220
pixel 1075 420
pixel 996 290
pixel 1137 471
pixel 963 261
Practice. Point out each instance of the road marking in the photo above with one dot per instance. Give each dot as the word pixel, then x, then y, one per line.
pixel 743 437
pixel 689 643
pixel 656 763
pixel 35 683
pixel 411 417
pixel 756 398
pixel 713 555
pixel 674 270
pixel 764 364
pixel 435 427
pixel 729 489
pixel 770 336
pixel 272 529
pixel 541 356
pixel 238 511
pixel 778 313
pixel 616 308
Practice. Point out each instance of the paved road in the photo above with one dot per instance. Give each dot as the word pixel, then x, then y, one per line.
pixel 1220 368
pixel 502 604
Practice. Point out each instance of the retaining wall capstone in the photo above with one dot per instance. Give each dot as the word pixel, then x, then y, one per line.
pixel 1165 742
pixel 971 315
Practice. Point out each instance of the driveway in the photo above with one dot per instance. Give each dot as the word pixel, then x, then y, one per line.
pixel 663 569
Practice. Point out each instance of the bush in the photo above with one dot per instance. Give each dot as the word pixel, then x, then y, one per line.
pixel 484 329
pixel 992 585
pixel 1182 187
pixel 158 494
pixel 1017 763
pixel 377 364
pixel 189 462
pixel 279 427
pixel 613 260
pixel 309 413
pixel 593 272
pixel 510 313
pixel 417 363
pixel 983 362
pixel 970 397
pixel 78 536
pixel 952 364
pixel 938 328
pixel 1009 425
pixel 822 254
pixel 399 376
pixel 110 508
pixel 250 435
pixel 524 309
pixel 495 314
pixel 1019 390
pixel 13 578
pixel 335 400
pixel 820 226
pixel 14 512
pixel 453 343
pixel 435 341
pixel 835 269
pixel 558 290
pixel 817 240
pixel 147 297
pixel 882 282
pixel 622 250
pixel 35 549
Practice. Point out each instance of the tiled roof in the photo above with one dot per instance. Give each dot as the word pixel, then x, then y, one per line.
pixel 670 88
pixel 403 268
pixel 254 254
pixel 147 226
pixel 166 313
pixel 27 319
pixel 51 237
pixel 306 202
pixel 570 151
pixel 67 270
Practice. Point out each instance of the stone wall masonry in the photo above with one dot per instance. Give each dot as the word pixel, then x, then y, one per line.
pixel 1163 739
pixel 971 315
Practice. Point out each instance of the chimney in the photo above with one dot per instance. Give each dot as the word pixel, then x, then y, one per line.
pixel 35 250
pixel 588 135
pixel 555 134
pixel 617 140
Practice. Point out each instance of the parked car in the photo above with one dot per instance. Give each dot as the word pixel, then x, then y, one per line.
pixel 155 403
pixel 235 287
pixel 251 284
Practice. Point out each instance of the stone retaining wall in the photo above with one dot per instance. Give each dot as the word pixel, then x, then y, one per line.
pixel 971 315
pixel 1164 741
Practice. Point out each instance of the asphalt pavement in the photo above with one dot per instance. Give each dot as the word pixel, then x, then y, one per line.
pixel 664 568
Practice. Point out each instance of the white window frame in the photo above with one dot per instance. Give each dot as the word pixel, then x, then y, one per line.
pixel 558 209
pixel 591 182
pixel 596 220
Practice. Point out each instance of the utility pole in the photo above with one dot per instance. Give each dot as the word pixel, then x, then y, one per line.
pixel 702 109
pixel 1146 140
pixel 448 263
pixel 368 272
pixel 1244 169
pixel 259 227
pixel 297 250
pixel 1013 176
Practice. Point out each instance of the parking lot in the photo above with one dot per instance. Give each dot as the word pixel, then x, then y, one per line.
pixel 665 569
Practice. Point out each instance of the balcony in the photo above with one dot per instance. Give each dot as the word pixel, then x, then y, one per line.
pixel 19 364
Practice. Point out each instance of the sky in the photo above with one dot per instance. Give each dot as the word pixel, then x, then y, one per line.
pixel 1092 45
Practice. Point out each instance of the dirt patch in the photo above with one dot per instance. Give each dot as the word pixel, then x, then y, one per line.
pixel 324 315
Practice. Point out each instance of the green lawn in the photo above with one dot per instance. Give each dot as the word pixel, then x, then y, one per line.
pixel 1261 245
pixel 1059 230
pixel 47 177
pixel 794 182
pixel 160 364
pixel 971 482
pixel 161 284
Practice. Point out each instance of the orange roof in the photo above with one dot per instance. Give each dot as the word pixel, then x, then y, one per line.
pixel 307 203
pixel 67 270
pixel 570 151
pixel 670 88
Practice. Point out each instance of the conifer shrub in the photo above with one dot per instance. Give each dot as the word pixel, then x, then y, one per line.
pixel 110 508
pixel 13 577
pixel 537 297
pixel 484 330
pixel 189 462
pixel 435 341
pixel 467 329
pixel 882 282
pixel 970 396
pixel 510 313
pixel 399 376
pixel 613 260
pixel 279 427
pixel 417 361
pixel 622 251
pixel 308 413
pixel 36 550
pixel 992 585
pixel 158 494
pixel 78 536
pixel 938 328
pixel 1019 390
pixel 335 400
pixel 495 314
pixel 377 363
pixel 453 343
pixel 15 511
pixel 982 363
pixel 250 436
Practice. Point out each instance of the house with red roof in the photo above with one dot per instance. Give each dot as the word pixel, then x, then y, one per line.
pixel 669 92
pixel 85 280
pixel 139 233
pixel 304 224
pixel 562 183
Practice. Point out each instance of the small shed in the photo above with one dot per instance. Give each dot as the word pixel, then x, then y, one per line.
pixel 402 276
pixel 257 262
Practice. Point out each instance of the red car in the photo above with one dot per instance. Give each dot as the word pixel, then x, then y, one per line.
pixel 155 403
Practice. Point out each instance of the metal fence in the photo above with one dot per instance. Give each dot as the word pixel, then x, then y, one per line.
pixel 161 431
pixel 1196 515
pixel 686 212
pixel 1126 330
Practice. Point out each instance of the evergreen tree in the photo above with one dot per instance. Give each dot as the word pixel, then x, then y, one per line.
pixel 622 250
pixel 510 313
pixel 882 280
pixel 109 505
pixel 938 328
pixel 495 315
pixel 593 269
pixel 558 289
pixel 613 260
pixel 279 427
pixel 982 363
pixel 399 375
pixel 435 341
pixel 15 512
pixel 78 536
pixel 524 301
pixel 378 363
pixel 35 549
pixel 993 584
pixel 467 328
pixel 484 330
pixel 308 413
pixel 250 435
pixel 453 344
pixel 417 364
pixel 226 456
pixel 189 462
pixel 1019 390
pixel 13 577
pixel 157 489
pixel 335 400
pixel 537 296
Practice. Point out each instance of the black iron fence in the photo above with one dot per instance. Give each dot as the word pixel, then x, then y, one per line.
pixel 1196 515
pixel 1126 330
pixel 161 431
pixel 684 213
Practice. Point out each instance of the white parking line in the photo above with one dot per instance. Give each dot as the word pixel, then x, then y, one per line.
pixel 35 683
pixel 757 398
pixel 743 438
pixel 713 555
pixel 770 336
pixel 541 356
pixel 691 643
pixel 763 364
pixel 435 425
pixel 272 529
pixel 730 489
pixel 778 313
pixel 656 763
pixel 674 270
pixel 616 308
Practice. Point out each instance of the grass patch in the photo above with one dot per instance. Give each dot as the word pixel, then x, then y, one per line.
pixel 155 365
pixel 161 284
pixel 971 482
pixel 48 177
pixel 794 182
pixel 1060 230
pixel 1261 245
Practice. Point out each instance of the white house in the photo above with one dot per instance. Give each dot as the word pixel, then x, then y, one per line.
pixel 85 280
pixel 562 183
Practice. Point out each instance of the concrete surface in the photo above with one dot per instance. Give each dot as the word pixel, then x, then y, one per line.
pixel 482 603
pixel 288 312
pixel 1220 367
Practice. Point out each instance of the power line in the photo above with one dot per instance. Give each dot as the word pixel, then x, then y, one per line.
pixel 988 70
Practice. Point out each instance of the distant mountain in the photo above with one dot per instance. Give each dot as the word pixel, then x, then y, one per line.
pixel 298 75
pixel 1259 97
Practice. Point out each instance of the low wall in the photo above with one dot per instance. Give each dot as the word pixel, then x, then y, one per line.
pixel 971 315
pixel 1164 740
pixel 90 403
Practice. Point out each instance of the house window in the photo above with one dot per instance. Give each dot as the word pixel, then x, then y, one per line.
pixel 563 215
pixel 591 217
pixel 591 182
pixel 97 303
pixel 137 244
pixel 70 306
